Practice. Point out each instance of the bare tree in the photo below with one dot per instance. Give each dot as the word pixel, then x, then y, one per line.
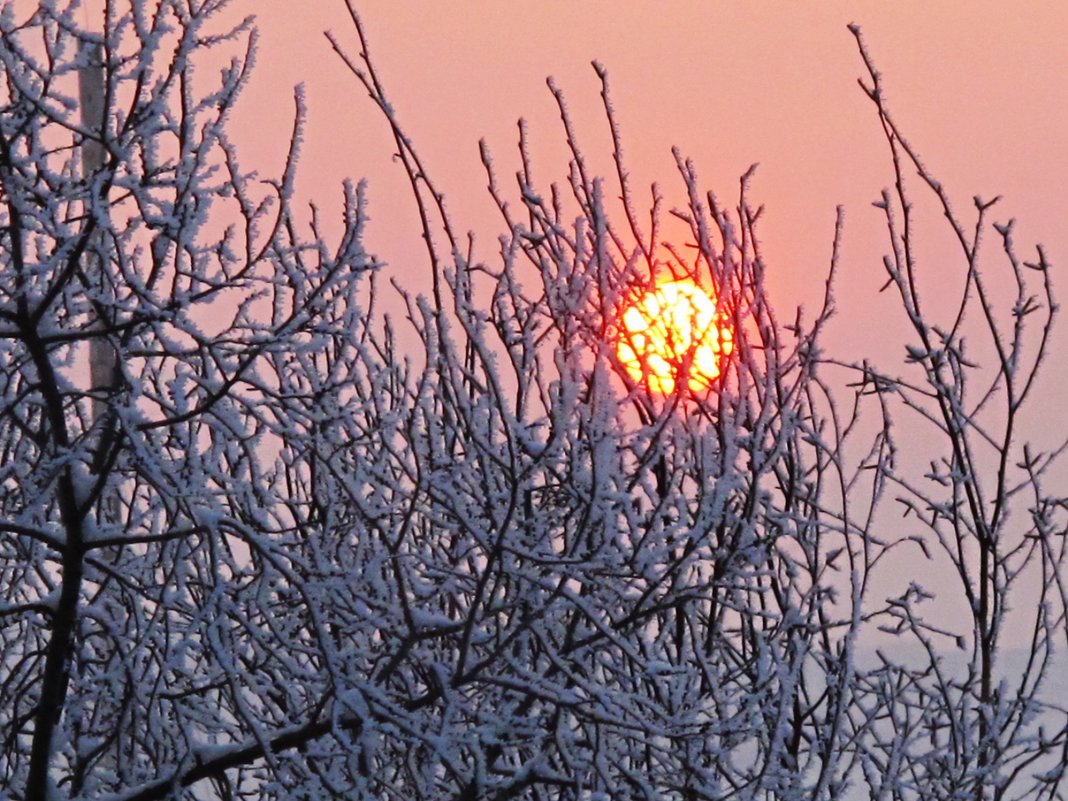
pixel 992 727
pixel 308 551
pixel 143 608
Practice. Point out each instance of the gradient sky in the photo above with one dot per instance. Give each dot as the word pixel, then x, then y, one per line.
pixel 980 91
pixel 978 86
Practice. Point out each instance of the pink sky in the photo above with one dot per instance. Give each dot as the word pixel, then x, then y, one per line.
pixel 980 91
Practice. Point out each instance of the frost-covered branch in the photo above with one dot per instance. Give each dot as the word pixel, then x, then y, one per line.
pixel 302 548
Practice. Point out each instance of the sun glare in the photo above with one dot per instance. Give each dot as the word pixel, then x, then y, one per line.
pixel 673 331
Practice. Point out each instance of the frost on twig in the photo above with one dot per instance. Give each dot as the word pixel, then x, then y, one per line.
pixel 307 551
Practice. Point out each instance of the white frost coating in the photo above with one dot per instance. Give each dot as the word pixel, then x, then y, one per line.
pixel 305 551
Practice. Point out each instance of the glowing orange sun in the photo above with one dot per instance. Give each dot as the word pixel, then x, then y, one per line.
pixel 672 331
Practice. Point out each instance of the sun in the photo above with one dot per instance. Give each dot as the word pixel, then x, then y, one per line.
pixel 671 331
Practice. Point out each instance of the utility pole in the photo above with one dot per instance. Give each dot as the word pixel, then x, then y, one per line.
pixel 64 642
pixel 102 367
